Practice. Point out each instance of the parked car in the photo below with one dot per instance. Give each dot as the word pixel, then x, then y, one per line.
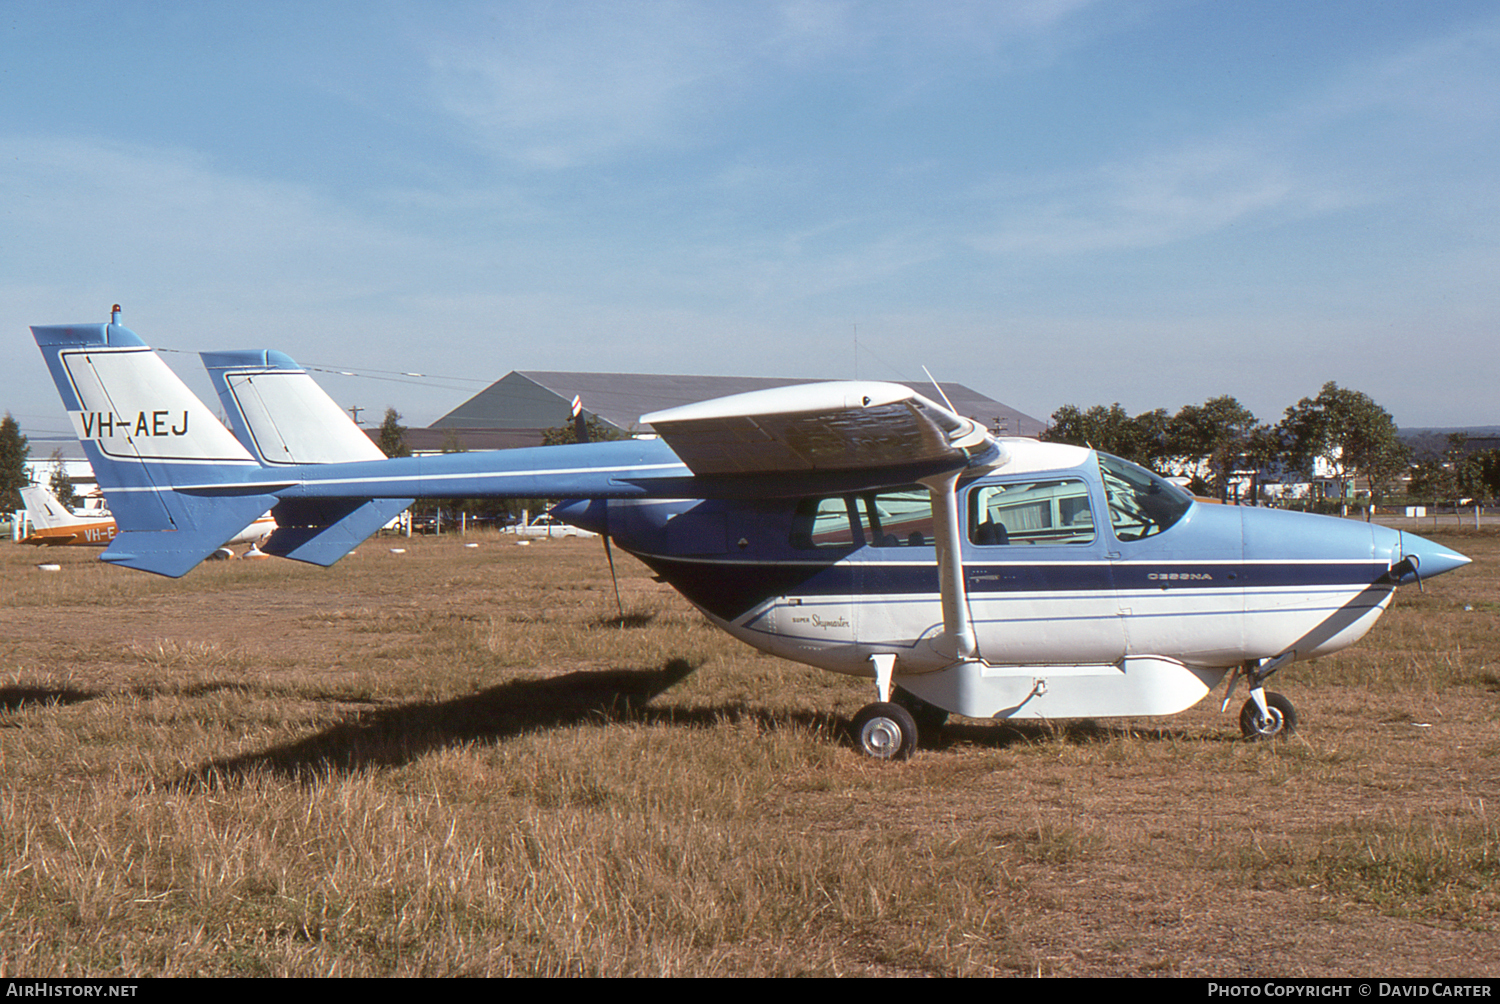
pixel 546 526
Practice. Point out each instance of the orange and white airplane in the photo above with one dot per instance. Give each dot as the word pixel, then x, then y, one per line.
pixel 55 525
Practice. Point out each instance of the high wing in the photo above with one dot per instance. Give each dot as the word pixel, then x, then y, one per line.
pixel 840 426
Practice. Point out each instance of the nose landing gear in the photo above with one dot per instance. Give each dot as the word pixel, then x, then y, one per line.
pixel 1278 719
pixel 885 731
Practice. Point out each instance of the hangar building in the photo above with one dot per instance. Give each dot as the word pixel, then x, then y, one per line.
pixel 515 409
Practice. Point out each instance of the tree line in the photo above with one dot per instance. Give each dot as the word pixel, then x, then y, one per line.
pixel 15 451
pixel 1338 437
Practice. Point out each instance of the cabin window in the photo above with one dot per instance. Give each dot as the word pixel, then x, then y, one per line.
pixel 894 518
pixel 897 518
pixel 1031 512
pixel 1141 504
pixel 825 522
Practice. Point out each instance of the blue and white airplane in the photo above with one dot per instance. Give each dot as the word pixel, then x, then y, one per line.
pixel 858 527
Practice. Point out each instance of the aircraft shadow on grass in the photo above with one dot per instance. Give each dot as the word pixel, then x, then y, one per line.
pixel 17 697
pixel 390 737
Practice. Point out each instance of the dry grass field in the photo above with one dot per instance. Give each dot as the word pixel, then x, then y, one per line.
pixel 457 761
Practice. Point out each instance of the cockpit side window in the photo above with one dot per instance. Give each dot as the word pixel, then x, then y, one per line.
pixel 1141 504
pixel 1031 512
pixel 900 517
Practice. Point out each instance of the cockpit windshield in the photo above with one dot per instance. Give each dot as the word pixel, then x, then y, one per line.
pixel 1141 504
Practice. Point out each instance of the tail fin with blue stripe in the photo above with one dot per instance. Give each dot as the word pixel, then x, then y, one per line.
pixel 178 482
pixel 282 417
pixel 280 414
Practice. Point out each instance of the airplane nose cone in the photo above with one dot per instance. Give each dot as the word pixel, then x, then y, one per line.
pixel 1430 558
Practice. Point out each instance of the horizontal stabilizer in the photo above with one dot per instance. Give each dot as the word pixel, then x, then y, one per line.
pixel 321 531
pixel 173 553
pixel 204 522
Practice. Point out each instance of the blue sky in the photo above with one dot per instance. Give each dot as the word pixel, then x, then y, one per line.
pixel 1052 201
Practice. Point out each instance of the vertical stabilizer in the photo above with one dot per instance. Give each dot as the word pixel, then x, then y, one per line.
pixel 45 511
pixel 178 482
pixel 280 414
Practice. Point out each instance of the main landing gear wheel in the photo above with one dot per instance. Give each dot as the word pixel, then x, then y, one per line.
pixel 885 731
pixel 929 717
pixel 1282 720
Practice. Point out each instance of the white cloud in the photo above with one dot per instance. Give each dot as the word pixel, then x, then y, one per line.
pixel 550 86
pixel 556 86
pixel 134 215
pixel 1159 199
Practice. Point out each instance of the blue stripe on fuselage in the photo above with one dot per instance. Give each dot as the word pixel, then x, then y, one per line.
pixel 731 588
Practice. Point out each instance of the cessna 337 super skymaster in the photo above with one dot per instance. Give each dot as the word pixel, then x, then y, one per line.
pixel 857 527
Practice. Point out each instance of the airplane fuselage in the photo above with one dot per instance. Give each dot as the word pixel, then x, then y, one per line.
pixel 1067 573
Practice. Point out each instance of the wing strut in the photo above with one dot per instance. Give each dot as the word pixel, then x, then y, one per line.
pixel 958 634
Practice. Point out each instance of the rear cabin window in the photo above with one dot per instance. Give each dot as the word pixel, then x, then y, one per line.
pixel 1031 512
pixel 896 518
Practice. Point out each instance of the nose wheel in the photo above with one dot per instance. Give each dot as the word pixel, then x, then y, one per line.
pixel 1279 718
pixel 885 731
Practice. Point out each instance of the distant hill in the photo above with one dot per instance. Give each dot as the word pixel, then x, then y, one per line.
pixel 1429 444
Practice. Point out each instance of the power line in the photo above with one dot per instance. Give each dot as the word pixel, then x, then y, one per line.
pixel 366 373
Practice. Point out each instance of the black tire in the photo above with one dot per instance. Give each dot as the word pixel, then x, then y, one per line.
pixel 885 731
pixel 1282 720
pixel 929 717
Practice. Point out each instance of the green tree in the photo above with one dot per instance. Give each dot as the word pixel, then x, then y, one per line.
pixel 392 439
pixel 1461 474
pixel 1207 441
pixel 60 484
pixel 13 453
pixel 1264 451
pixel 1487 463
pixel 1432 480
pixel 1111 430
pixel 1350 434
pixel 1151 438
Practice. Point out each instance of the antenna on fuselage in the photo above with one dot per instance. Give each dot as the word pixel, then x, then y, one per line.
pixel 939 390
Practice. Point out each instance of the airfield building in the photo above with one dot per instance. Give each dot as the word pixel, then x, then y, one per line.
pixel 517 408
